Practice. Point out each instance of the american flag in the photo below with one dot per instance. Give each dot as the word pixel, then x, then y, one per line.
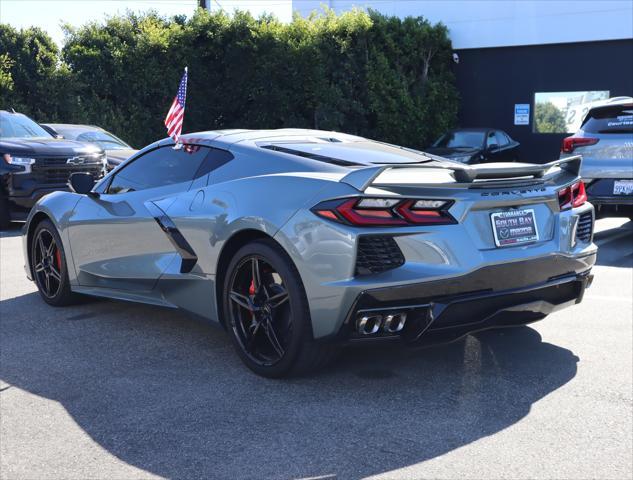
pixel 173 120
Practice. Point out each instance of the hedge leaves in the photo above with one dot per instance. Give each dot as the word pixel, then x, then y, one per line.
pixel 358 72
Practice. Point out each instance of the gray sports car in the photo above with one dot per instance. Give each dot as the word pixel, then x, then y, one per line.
pixel 299 241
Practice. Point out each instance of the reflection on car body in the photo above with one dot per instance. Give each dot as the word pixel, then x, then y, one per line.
pixel 476 145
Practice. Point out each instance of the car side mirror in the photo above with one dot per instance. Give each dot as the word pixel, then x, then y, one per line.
pixel 81 182
pixel 493 148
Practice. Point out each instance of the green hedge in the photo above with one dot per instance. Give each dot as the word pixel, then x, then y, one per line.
pixel 358 72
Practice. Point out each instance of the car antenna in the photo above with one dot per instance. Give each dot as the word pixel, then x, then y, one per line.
pixel 13 110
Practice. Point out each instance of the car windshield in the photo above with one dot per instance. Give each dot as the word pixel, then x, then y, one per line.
pixel 105 140
pixel 16 125
pixel 461 139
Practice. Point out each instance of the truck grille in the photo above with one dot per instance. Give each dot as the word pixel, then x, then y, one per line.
pixel 75 161
pixel 585 227
pixel 377 253
pixel 57 176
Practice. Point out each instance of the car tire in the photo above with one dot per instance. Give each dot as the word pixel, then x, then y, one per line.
pixel 5 216
pixel 49 267
pixel 253 303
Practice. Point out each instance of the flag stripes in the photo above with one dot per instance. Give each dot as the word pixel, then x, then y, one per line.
pixel 176 114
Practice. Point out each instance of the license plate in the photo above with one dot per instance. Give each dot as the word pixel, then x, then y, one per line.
pixel 623 187
pixel 514 227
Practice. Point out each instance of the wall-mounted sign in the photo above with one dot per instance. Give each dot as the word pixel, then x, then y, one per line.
pixel 522 114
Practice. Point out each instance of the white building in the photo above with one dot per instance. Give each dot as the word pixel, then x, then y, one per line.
pixel 497 23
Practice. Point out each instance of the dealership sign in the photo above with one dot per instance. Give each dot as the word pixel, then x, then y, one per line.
pixel 522 114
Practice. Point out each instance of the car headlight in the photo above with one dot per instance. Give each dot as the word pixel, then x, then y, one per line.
pixel 21 160
pixel 462 159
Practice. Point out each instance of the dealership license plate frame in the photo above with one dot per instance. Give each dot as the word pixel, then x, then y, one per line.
pixel 508 239
pixel 628 187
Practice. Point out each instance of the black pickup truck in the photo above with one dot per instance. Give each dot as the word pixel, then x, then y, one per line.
pixel 34 163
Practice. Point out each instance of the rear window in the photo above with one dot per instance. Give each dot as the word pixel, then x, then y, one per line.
pixel 616 119
pixel 461 139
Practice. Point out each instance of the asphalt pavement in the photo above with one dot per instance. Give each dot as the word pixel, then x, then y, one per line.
pixel 112 390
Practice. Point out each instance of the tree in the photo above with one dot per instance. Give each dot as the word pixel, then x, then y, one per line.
pixel 548 119
pixel 363 73
pixel 29 62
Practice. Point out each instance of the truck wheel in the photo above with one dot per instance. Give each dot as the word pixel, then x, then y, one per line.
pixel 5 218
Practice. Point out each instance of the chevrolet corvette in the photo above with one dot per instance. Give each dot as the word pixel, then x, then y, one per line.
pixel 299 241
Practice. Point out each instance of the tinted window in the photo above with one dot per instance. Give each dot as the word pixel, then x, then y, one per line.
pixel 501 138
pixel 163 166
pixel 461 139
pixel 617 119
pixel 214 159
pixel 103 139
pixel 15 125
pixel 492 139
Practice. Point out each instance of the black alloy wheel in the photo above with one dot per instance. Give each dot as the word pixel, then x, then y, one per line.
pixel 260 313
pixel 48 265
pixel 267 313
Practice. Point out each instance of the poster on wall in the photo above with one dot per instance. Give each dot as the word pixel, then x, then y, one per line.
pixel 522 114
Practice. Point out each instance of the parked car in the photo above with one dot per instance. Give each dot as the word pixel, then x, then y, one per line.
pixel 605 141
pixel 476 145
pixel 298 241
pixel 34 163
pixel 116 149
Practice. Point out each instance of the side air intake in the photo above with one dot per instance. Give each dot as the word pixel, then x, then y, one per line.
pixel 377 253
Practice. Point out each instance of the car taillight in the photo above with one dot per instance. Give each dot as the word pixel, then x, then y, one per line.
pixel 572 196
pixel 386 212
pixel 570 143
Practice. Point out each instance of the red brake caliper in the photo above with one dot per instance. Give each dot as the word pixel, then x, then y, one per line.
pixel 58 259
pixel 251 292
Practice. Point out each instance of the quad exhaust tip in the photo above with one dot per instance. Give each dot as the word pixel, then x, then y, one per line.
pixel 394 323
pixel 369 324
pixel 372 324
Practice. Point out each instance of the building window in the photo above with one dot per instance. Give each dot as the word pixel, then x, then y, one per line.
pixel 563 112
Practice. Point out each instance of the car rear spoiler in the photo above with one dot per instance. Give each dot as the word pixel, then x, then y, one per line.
pixel 362 178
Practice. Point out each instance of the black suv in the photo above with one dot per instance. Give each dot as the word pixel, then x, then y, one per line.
pixel 34 163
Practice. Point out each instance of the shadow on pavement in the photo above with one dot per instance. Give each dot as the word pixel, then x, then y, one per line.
pixel 168 395
pixel 615 246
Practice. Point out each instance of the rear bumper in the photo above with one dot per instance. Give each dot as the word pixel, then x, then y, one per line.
pixel 606 203
pixel 515 294
pixel 615 206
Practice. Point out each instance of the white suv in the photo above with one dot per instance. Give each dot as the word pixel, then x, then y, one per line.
pixel 605 141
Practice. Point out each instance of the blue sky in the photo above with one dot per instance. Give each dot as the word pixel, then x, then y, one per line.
pixel 50 14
